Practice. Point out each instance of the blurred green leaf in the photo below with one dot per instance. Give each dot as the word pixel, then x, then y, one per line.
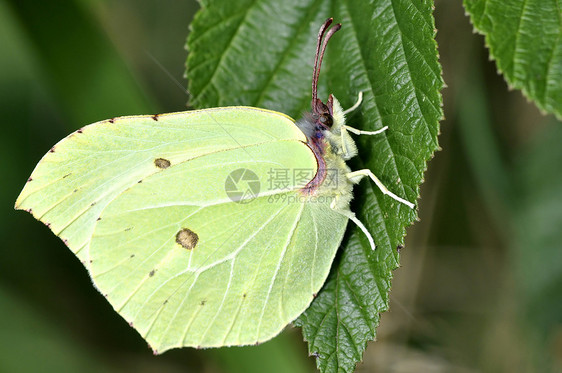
pixel 525 39
pixel 261 53
pixel 84 79
pixel 537 254
pixel 279 355
pixel 524 200
pixel 31 343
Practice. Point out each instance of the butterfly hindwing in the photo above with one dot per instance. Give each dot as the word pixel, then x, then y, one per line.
pixel 184 226
pixel 240 272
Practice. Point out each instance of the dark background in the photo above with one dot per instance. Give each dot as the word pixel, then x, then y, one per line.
pixel 480 288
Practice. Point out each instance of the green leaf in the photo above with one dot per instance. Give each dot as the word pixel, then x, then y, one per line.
pixel 261 53
pixel 79 80
pixel 525 39
pixel 536 257
pixel 27 332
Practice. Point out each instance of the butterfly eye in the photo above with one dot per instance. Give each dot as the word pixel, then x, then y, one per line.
pixel 326 120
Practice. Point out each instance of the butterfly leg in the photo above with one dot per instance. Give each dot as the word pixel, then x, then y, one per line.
pixel 357 222
pixel 334 203
pixel 355 130
pixel 357 175
pixel 360 132
pixel 356 104
pixel 344 131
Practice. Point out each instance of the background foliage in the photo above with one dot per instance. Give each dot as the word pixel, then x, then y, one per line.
pixel 480 285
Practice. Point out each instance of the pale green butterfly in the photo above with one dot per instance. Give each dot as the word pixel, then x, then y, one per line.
pixel 205 228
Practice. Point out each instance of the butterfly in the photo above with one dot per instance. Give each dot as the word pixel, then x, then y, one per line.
pixel 206 228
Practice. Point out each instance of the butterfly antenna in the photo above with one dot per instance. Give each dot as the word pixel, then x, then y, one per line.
pixel 318 49
pixel 321 43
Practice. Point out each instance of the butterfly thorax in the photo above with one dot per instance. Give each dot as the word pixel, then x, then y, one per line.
pixel 322 128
